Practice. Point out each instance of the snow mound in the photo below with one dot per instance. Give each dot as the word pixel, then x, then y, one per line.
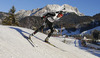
pixel 89 31
pixel 14 44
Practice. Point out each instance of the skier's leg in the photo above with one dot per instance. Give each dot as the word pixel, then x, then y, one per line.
pixel 51 28
pixel 47 38
pixel 51 32
pixel 39 28
pixel 36 31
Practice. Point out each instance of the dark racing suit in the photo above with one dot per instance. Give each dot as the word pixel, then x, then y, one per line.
pixel 48 18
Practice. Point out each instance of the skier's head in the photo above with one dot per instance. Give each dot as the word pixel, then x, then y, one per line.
pixel 60 14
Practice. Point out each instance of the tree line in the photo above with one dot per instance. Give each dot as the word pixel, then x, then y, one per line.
pixel 11 18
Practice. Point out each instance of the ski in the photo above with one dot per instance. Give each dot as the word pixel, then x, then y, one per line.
pixel 50 44
pixel 31 42
pixel 54 46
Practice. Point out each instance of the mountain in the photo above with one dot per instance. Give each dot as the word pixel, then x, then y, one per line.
pixel 48 8
pixel 40 11
pixel 54 7
pixel 14 44
pixel 97 17
pixel 70 21
pixel 2 16
pixel 23 13
pixel 31 22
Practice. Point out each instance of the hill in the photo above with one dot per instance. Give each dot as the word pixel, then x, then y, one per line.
pixel 14 44
pixel 70 21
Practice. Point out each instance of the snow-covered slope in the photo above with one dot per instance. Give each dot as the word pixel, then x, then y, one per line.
pixel 89 31
pixel 14 44
pixel 78 31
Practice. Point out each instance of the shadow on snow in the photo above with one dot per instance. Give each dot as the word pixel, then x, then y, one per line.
pixel 86 48
pixel 21 32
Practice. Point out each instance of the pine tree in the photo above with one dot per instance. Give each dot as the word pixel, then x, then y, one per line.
pixel 11 19
pixel 95 36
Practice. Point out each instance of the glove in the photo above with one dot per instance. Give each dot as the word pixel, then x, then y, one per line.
pixel 41 17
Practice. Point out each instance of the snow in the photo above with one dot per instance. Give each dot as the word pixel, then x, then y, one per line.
pixel 89 31
pixel 77 32
pixel 14 44
pixel 68 33
pixel 93 45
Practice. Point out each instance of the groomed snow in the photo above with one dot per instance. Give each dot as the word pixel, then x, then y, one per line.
pixel 13 44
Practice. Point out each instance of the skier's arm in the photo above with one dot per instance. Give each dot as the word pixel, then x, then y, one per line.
pixel 50 14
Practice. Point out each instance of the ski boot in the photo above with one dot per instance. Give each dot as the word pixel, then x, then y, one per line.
pixel 30 36
pixel 47 40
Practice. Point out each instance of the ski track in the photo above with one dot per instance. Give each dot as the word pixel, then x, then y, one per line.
pixel 14 44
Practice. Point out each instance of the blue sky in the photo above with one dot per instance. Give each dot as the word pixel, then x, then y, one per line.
pixel 87 7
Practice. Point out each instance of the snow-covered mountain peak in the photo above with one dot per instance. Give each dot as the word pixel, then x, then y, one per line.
pixel 69 8
pixel 48 8
pixel 53 7
pixel 27 12
pixel 65 7
pixel 22 13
